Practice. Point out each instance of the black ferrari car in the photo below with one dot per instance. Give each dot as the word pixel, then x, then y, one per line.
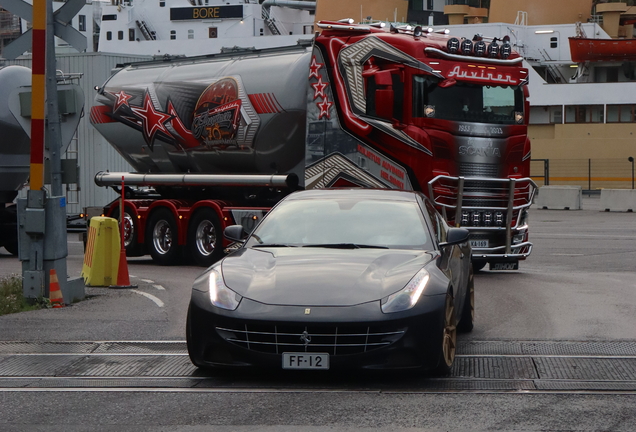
pixel 334 279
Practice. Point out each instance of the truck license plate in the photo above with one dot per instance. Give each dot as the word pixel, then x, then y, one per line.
pixel 305 361
pixel 479 243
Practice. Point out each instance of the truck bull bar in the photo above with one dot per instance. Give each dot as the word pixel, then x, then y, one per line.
pixel 487 207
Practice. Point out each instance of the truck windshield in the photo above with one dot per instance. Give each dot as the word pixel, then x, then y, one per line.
pixel 467 102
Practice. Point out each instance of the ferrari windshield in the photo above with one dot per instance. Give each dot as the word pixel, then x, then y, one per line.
pixel 467 102
pixel 344 223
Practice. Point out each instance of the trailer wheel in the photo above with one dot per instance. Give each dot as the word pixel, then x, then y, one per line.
pixel 205 240
pixel 130 234
pixel 12 248
pixel 11 215
pixel 162 238
pixel 478 264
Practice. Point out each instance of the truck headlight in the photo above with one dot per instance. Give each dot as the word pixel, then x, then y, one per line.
pixel 408 296
pixel 220 295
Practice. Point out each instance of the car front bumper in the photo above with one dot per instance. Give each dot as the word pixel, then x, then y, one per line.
pixel 360 336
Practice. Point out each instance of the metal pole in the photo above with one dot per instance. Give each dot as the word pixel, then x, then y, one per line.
pixel 55 239
pixel 122 222
pixel 589 174
pixel 631 159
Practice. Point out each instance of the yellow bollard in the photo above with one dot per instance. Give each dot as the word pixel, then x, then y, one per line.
pixel 101 259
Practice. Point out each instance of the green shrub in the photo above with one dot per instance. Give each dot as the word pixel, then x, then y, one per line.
pixel 12 299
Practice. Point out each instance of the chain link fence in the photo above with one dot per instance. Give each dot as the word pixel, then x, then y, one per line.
pixel 590 174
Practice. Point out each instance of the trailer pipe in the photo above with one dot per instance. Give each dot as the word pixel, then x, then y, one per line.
pixel 134 179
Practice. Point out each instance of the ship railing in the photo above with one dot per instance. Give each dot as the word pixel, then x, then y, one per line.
pixel 270 21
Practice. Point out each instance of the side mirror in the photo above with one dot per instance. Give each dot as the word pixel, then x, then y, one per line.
pixel 235 233
pixel 455 236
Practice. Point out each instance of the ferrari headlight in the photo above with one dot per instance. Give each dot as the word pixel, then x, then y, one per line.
pixel 408 296
pixel 220 295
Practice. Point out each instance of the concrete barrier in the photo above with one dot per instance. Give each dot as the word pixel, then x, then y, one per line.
pixel 101 259
pixel 618 200
pixel 559 197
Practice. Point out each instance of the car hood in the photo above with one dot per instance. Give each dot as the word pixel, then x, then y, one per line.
pixel 320 276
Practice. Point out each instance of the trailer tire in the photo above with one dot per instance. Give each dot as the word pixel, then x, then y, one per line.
pixel 12 248
pixel 205 240
pixel 162 235
pixel 10 221
pixel 478 264
pixel 133 248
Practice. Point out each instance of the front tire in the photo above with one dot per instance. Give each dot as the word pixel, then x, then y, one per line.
pixel 449 338
pixel 162 238
pixel 466 322
pixel 204 238
pixel 190 341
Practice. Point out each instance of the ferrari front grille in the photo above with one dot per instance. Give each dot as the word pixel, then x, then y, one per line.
pixel 335 340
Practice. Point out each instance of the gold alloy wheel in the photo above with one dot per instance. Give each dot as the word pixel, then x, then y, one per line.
pixel 449 342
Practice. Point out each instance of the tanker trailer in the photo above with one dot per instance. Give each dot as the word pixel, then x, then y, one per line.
pixel 15 149
pixel 222 138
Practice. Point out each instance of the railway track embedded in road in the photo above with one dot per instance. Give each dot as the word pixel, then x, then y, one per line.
pixel 164 366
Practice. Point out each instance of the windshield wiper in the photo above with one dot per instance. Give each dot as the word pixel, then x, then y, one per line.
pixel 346 246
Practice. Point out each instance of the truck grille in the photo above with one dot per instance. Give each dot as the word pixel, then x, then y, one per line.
pixel 335 340
pixel 468 169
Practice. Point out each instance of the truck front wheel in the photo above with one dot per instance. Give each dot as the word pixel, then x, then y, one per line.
pixel 205 240
pixel 162 238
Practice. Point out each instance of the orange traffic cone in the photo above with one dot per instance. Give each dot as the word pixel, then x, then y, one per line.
pixel 55 294
pixel 123 280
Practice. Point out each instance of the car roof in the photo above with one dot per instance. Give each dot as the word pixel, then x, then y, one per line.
pixel 361 193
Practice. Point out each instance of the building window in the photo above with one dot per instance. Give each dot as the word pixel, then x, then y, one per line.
pixel 191 34
pixel 109 35
pixel 173 34
pixel 212 32
pixel 429 4
pixel 112 17
pixel 554 42
pixel 120 35
pixel 162 3
pixel 584 114
pixel 131 34
pixel 546 114
pixel 621 114
pixel 82 22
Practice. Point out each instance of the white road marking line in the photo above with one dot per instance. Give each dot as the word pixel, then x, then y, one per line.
pixel 157 301
pixel 159 287
pixel 147 281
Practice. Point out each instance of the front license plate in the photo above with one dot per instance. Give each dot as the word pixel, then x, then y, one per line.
pixel 305 361
pixel 479 243
pixel 505 266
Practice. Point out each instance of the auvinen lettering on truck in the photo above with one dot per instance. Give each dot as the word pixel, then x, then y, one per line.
pixel 222 138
